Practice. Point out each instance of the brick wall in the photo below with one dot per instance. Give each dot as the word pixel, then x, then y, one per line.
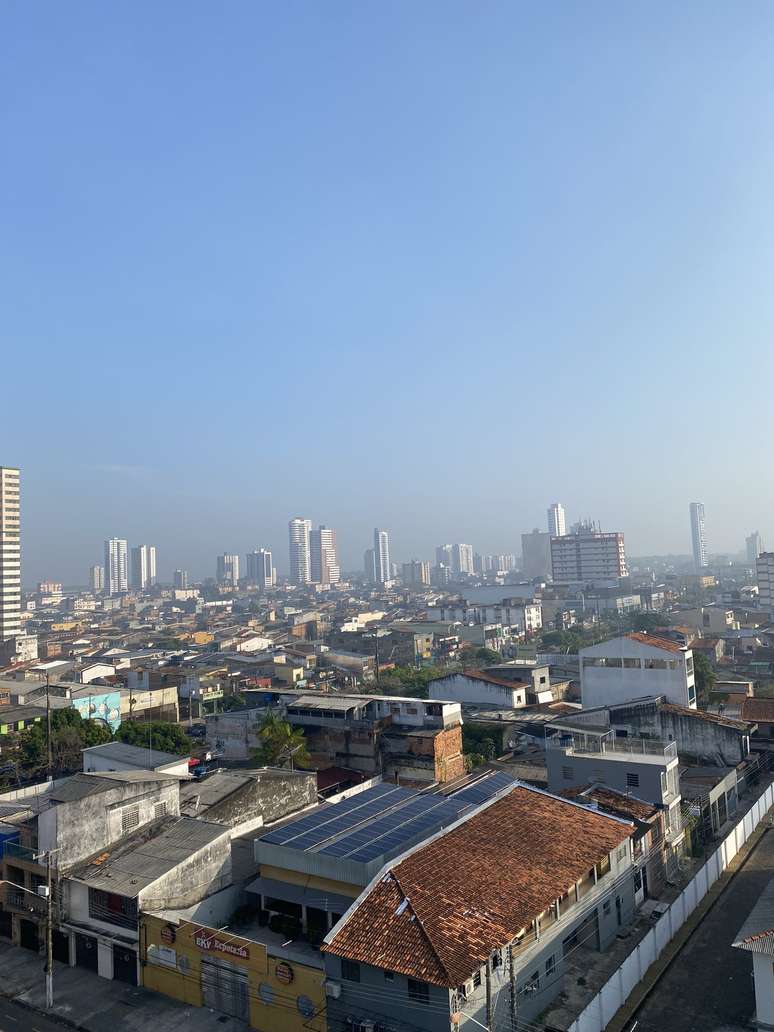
pixel 449 762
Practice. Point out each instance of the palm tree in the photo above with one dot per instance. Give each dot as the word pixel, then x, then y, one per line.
pixel 281 743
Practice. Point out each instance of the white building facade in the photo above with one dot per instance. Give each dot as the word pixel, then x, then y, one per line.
pixel 557 523
pixel 324 562
pixel 299 550
pixel 116 566
pixel 228 569
pixel 381 556
pixel 698 536
pixel 588 557
pixel 10 552
pixel 635 666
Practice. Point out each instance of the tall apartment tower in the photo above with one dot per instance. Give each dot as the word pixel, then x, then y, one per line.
pixel 10 553
pixel 180 579
pixel 462 559
pixel 143 567
pixel 97 578
pixel 228 570
pixel 382 556
pixel 116 566
pixel 416 573
pixel 324 565
pixel 698 537
pixel 260 570
pixel 536 555
pixel 299 534
pixel 764 565
pixel 557 524
pixel 753 546
pixel 587 556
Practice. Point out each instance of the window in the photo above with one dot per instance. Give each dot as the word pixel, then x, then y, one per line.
pixel 632 779
pixel 533 983
pixel 389 976
pixel 621 853
pixel 550 965
pixel 159 810
pixel 350 970
pixel 631 664
pixel 616 663
pixel 497 960
pixel 477 979
pixel 419 992
pixel 568 773
pixel 130 819
pixel 113 909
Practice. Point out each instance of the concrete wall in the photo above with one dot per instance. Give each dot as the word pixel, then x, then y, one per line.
pixel 206 871
pixel 569 770
pixel 763 973
pixel 271 795
pixel 699 736
pixel 606 685
pixel 461 688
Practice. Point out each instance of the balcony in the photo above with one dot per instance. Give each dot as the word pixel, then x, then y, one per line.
pixel 582 743
pixel 16 851
pixel 24 901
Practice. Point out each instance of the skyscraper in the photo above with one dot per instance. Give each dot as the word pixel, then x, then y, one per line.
pixel 228 570
pixel 587 556
pixel 180 579
pixel 416 573
pixel 369 566
pixel 382 556
pixel 10 553
pixel 462 559
pixel 324 565
pixel 299 532
pixel 557 526
pixel 97 578
pixel 143 567
pixel 116 566
pixel 443 556
pixel 698 538
pixel 536 555
pixel 260 570
pixel 754 546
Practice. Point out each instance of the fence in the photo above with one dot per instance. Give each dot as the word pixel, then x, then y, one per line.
pixel 616 991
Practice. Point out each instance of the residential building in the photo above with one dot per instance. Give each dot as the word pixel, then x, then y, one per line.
pixel 443 556
pixel 382 571
pixel 498 564
pixel 462 560
pixel 757 937
pixel 698 536
pixel 587 556
pixel 416 574
pixel 369 566
pixel 324 563
pixel 227 572
pixel 753 546
pixel 180 579
pixel 116 566
pixel 536 555
pixel 117 756
pixel 10 552
pixel 439 938
pixel 557 525
pixel 764 566
pixel 476 687
pixel 711 619
pixel 521 616
pixel 143 567
pixel 260 569
pixel 300 559
pixel 634 666
pixel 97 578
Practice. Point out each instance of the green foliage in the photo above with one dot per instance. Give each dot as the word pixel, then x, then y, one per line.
pixel 482 657
pixel 232 702
pixel 70 733
pixel 282 745
pixel 704 676
pixel 479 740
pixel 412 681
pixel 155 734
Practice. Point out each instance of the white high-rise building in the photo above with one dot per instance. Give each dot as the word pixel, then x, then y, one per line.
pixel 10 552
pixel 764 566
pixel 557 524
pixel 260 570
pixel 536 555
pixel 588 556
pixel 97 578
pixel 443 555
pixel 299 533
pixel 324 564
pixel 180 579
pixel 143 567
pixel 753 546
pixel 116 566
pixel 382 556
pixel 462 559
pixel 228 570
pixel 698 537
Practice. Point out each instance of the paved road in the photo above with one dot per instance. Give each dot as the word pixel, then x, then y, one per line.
pixel 14 1018
pixel 709 985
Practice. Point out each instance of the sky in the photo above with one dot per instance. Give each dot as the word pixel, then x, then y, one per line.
pixel 424 266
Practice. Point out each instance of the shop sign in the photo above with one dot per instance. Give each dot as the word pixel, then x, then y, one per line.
pixel 212 944
pixel 284 973
pixel 168 934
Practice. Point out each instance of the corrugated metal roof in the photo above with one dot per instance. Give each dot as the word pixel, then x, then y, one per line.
pixel 757 933
pixel 137 756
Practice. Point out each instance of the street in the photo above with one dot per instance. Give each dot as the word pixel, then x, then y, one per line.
pixel 14 1018
pixel 709 985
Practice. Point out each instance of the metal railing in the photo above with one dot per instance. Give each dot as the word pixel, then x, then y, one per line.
pixel 16 851
pixel 580 743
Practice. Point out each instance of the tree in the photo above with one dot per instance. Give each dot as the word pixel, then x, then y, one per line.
pixel 282 745
pixel 482 656
pixel 704 676
pixel 155 734
pixel 70 734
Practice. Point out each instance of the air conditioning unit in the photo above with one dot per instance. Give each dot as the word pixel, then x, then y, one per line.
pixel 333 989
pixel 43 891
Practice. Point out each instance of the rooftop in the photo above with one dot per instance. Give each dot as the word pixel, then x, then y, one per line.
pixel 133 755
pixel 757 933
pixel 611 801
pixel 438 914
pixel 79 786
pixel 655 642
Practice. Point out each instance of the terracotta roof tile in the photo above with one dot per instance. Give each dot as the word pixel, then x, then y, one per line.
pixel 713 718
pixel 482 675
pixel 614 802
pixel 758 709
pixel 655 642
pixel 440 912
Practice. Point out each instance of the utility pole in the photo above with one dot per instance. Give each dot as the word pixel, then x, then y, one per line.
pixel 49 764
pixel 376 648
pixel 49 936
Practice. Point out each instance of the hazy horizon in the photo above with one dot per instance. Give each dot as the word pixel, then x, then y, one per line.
pixel 427 267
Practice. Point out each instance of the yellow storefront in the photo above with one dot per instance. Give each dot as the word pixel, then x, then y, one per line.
pixel 207 967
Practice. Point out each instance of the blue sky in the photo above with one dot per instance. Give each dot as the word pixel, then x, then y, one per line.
pixel 428 266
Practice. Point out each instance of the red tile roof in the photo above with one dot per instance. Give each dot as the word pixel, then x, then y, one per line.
pixel 713 718
pixel 654 642
pixel 439 913
pixel 613 801
pixel 758 709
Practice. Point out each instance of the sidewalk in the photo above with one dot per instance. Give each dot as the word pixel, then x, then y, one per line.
pixel 86 1001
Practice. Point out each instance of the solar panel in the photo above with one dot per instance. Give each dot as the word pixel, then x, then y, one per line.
pixel 333 818
pixel 484 789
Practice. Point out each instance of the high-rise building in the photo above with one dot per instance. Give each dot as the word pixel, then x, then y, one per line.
pixel 764 565
pixel 698 537
pixel 462 559
pixel 416 573
pixel 557 525
pixel 228 570
pixel 299 532
pixel 369 566
pixel 10 552
pixel 587 556
pixel 260 570
pixel 443 556
pixel 536 555
pixel 180 579
pixel 754 546
pixel 97 578
pixel 142 567
pixel 324 564
pixel 382 570
pixel 116 566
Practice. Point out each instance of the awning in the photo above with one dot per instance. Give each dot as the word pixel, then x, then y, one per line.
pixel 308 896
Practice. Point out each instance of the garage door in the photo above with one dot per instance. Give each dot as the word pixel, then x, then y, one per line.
pixel 224 987
pixel 124 965
pixel 28 935
pixel 60 942
pixel 86 952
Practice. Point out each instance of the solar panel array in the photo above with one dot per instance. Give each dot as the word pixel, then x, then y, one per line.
pixel 382 820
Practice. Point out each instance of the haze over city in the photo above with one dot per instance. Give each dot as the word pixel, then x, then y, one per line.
pixel 428 268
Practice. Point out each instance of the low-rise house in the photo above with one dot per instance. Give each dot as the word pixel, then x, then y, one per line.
pixel 115 756
pixel 757 937
pixel 481 919
pixel 636 665
pixel 479 688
